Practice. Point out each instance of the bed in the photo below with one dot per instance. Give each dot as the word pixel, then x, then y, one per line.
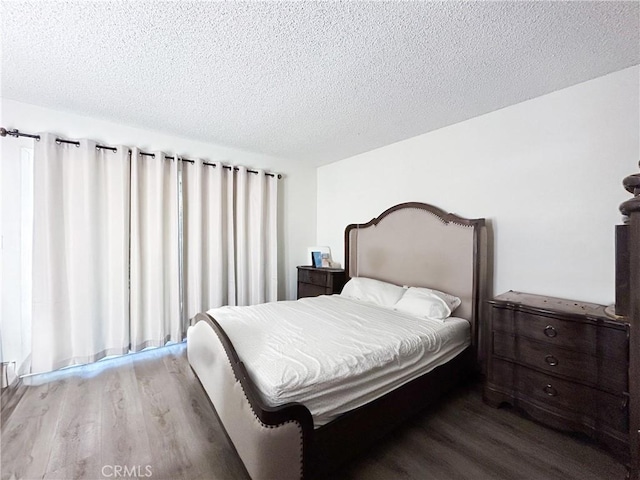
pixel 411 244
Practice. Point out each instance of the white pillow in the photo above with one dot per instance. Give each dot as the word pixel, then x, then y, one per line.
pixel 374 291
pixel 427 303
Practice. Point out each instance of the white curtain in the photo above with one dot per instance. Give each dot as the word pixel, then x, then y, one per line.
pixel 128 247
pixel 80 253
pixel 256 206
pixel 155 265
pixel 209 272
pixel 16 230
pixel 230 235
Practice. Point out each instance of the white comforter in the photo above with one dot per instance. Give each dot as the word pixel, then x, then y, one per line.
pixel 333 354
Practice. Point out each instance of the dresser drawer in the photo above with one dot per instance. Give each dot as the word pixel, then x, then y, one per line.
pixel 316 277
pixel 561 361
pixel 576 399
pixel 583 337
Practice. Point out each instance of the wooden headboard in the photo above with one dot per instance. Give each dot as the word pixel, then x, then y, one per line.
pixel 417 244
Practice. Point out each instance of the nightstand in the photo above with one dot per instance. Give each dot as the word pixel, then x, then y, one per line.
pixel 319 281
pixel 564 363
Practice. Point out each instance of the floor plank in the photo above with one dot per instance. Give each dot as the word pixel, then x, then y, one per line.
pixel 148 411
pixel 122 419
pixel 28 434
pixel 210 446
pixel 170 438
pixel 76 447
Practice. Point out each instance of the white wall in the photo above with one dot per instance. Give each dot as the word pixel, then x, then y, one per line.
pixel 297 193
pixel 547 173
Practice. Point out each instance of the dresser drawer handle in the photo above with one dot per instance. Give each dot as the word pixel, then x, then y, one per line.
pixel 551 360
pixel 549 390
pixel 549 331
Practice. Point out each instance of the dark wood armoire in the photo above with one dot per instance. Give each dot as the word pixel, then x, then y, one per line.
pixel 628 305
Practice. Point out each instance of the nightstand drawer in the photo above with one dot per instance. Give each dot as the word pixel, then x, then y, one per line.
pixel 560 361
pixel 319 281
pixel 540 388
pixel 309 290
pixel 316 277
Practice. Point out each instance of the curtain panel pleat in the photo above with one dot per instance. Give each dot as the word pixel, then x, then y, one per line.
pixel 155 291
pixel 127 248
pixel 208 237
pixel 80 254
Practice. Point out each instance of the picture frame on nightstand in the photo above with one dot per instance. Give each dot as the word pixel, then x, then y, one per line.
pixel 323 257
pixel 316 258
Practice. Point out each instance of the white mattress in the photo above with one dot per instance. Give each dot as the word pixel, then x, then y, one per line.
pixel 333 354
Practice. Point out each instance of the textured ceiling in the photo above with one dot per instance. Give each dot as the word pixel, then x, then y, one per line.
pixel 312 81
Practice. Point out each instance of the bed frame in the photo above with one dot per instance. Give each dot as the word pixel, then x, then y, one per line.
pixel 409 244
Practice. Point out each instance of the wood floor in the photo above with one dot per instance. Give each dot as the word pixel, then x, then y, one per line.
pixel 146 415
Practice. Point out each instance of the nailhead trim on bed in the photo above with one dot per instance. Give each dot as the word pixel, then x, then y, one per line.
pixel 446 219
pixel 256 418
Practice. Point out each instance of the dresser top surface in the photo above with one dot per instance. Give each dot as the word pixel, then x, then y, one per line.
pixel 556 305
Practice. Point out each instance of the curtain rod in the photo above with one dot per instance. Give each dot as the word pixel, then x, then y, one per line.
pixel 17 133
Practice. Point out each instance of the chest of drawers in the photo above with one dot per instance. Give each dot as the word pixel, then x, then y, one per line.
pixel 319 281
pixel 564 363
